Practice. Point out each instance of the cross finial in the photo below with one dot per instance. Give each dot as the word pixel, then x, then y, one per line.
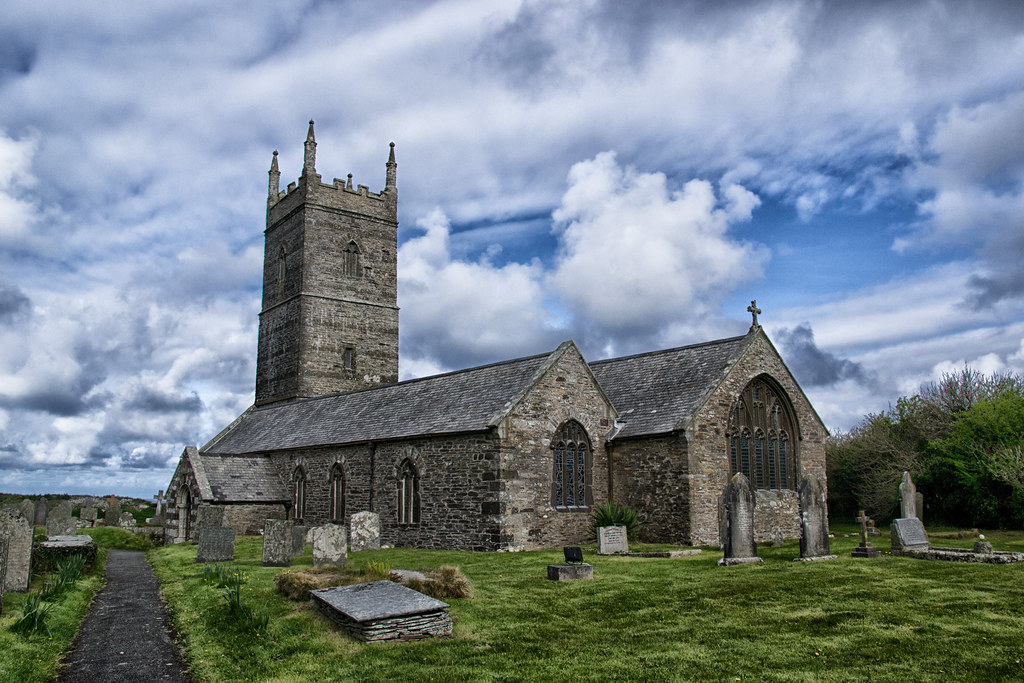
pixel 753 310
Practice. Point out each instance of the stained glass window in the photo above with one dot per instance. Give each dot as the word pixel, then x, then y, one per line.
pixel 572 454
pixel 762 413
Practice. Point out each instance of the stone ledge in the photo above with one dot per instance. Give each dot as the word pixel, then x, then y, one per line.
pixel 570 572
pixel 960 555
pixel 733 561
pixel 672 554
pixel 816 558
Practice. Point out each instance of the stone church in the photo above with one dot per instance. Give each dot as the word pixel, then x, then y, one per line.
pixel 508 456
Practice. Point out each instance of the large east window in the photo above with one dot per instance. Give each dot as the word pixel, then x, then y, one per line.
pixel 572 461
pixel 760 437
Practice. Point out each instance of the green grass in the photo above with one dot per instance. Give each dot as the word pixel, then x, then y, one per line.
pixel 35 657
pixel 892 619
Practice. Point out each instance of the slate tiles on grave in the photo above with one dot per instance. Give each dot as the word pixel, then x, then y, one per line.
pixel 383 610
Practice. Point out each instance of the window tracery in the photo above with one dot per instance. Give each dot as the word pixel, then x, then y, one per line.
pixel 337 492
pixel 572 462
pixel 408 493
pixel 759 437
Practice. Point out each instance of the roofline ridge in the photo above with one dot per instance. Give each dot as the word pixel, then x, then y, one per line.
pixel 670 350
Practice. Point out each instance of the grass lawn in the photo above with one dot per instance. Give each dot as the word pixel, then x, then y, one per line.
pixel 640 619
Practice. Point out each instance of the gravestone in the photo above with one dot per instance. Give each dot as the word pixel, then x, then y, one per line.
pixel 736 522
pixel 364 531
pixel 298 540
pixel 814 543
pixel 330 545
pixel 570 572
pixel 872 529
pixel 612 540
pixel 28 510
pixel 159 503
pixel 207 516
pixel 383 610
pixel 919 505
pixel 18 532
pixel 59 521
pixel 277 543
pixel 908 497
pixel 216 544
pixel 127 520
pixel 87 515
pixel 113 514
pixel 908 534
pixel 3 571
pixel 982 548
pixel 42 507
pixel 865 549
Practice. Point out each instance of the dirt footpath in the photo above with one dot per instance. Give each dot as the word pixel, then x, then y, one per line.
pixel 126 635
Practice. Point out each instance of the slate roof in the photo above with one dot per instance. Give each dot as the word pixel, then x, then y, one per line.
pixel 463 401
pixel 658 392
pixel 243 478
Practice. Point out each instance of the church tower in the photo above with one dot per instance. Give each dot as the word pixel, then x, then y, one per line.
pixel 330 295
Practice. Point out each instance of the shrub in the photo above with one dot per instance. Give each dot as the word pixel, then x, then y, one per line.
pixel 295 584
pixel 444 583
pixel 616 514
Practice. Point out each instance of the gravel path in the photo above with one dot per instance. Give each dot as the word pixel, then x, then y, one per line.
pixel 126 635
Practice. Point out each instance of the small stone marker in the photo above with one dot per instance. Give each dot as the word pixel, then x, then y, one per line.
pixel 113 515
pixel 298 540
pixel 330 545
pixel 18 533
pixel 216 544
pixel 612 540
pixel 908 497
pixel 42 507
pixel 59 521
pixel 865 549
pixel 908 534
pixel 277 543
pixel 570 572
pixel 87 515
pixel 814 543
pixel 207 516
pixel 28 510
pixel 736 523
pixel 982 547
pixel 383 610
pixel 127 520
pixel 364 531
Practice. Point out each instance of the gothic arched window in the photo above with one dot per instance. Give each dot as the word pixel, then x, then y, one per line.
pixel 337 494
pixel 408 493
pixel 760 436
pixel 571 475
pixel 299 494
pixel 350 265
pixel 282 269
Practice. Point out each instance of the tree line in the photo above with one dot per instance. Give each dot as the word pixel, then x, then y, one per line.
pixel 961 439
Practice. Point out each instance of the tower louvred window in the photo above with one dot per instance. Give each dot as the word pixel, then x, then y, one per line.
pixel 759 438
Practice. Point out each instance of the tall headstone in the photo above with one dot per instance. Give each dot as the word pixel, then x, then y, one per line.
pixel 207 516
pixel 59 521
pixel 87 515
pixel 865 549
pixel 299 540
pixel 919 506
pixel 42 508
pixel 364 531
pixel 814 543
pixel 908 497
pixel 18 532
pixel 736 522
pixel 113 514
pixel 277 543
pixel 330 543
pixel 216 544
pixel 28 510
pixel 611 540
pixel 159 503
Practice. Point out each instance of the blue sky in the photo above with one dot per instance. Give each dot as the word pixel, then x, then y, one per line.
pixel 627 175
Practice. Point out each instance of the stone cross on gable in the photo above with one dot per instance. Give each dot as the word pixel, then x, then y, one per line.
pixel 753 310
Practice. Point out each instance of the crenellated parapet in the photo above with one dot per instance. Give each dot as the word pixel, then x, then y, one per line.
pixel 337 195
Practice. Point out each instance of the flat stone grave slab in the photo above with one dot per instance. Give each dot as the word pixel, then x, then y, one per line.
pixel 383 610
pixel 671 554
pixel 58 547
pixel 611 540
pixel 216 544
pixel 570 572
pixel 908 533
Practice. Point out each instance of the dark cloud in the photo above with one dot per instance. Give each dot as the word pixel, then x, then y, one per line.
pixel 13 302
pixel 152 400
pixel 17 55
pixel 812 366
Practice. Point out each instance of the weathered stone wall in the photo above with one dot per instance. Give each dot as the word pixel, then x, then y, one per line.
pixel 709 461
pixel 249 518
pixel 567 390
pixel 321 308
pixel 651 476
pixel 317 463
